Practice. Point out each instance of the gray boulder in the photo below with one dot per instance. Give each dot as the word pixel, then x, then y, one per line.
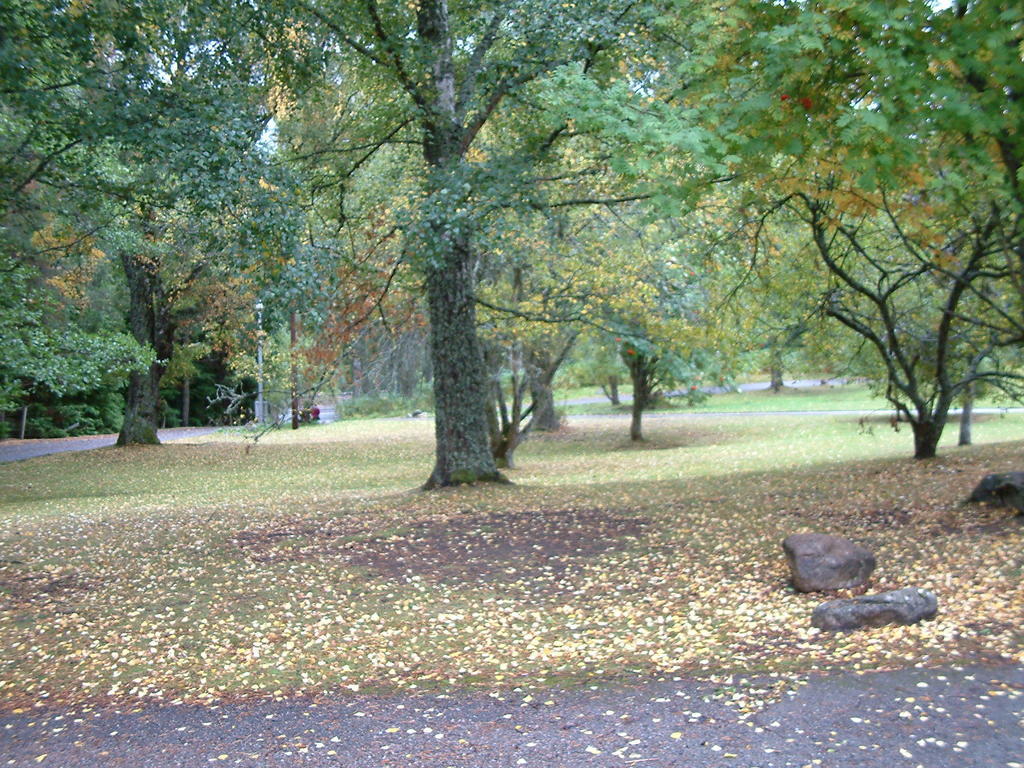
pixel 1006 489
pixel 820 563
pixel 901 606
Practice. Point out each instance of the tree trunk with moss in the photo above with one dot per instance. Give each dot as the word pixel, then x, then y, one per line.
pixel 142 408
pixel 151 326
pixel 462 449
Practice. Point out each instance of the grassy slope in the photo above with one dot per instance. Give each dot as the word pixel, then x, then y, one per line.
pixel 309 563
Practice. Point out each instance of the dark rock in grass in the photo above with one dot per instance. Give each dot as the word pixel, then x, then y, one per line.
pixel 901 606
pixel 1006 489
pixel 820 563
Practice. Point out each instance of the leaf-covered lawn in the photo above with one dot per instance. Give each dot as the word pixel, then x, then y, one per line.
pixel 310 564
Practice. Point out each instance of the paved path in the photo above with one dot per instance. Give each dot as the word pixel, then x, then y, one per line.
pixel 932 718
pixel 17 450
pixel 750 386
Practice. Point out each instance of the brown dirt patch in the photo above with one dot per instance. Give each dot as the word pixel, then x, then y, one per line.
pixel 509 546
pixel 293 541
pixel 542 546
pixel 20 588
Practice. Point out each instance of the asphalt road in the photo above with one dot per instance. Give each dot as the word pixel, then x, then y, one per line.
pixel 750 386
pixel 945 718
pixel 18 450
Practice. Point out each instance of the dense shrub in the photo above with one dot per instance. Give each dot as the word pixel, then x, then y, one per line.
pixel 88 413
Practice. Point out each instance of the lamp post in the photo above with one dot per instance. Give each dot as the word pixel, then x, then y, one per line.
pixel 259 362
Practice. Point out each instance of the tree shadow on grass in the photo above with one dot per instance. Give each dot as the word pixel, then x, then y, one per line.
pixel 545 549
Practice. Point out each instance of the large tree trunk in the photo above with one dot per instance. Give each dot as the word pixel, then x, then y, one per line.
pixel 926 436
pixel 462 450
pixel 150 325
pixel 142 411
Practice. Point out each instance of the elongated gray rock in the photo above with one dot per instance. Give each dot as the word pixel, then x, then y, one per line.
pixel 902 606
pixel 820 563
pixel 1006 489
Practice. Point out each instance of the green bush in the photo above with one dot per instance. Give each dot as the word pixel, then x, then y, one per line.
pixel 88 413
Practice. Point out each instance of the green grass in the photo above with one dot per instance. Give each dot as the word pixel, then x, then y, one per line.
pixel 309 562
